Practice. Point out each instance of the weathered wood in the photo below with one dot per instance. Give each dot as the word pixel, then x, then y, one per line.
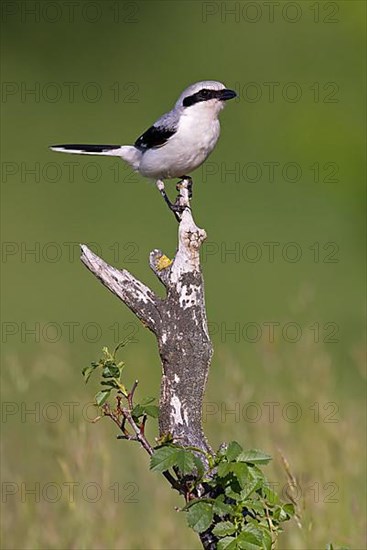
pixel 179 323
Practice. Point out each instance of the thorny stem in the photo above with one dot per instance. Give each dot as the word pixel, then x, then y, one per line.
pixel 142 427
pixel 130 395
pixel 139 430
pixel 139 436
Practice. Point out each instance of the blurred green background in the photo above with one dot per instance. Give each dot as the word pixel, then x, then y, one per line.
pixel 102 72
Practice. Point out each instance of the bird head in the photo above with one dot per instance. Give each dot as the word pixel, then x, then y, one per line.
pixel 207 95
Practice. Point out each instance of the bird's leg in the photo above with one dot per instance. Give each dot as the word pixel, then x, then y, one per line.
pixel 172 206
pixel 184 188
pixel 162 190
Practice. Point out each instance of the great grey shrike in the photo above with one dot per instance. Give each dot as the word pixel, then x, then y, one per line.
pixel 177 143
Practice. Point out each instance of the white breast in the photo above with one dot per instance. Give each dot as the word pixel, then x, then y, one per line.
pixel 197 134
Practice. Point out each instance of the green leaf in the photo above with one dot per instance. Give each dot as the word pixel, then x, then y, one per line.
pixel 256 506
pixel 137 411
pixel 221 508
pixel 195 501
pixel 289 510
pixel 185 461
pixel 111 383
pixel 228 543
pixel 233 450
pixel 152 410
pixel 110 370
pixel 163 458
pixel 101 397
pixel 270 495
pixel 253 521
pixel 283 513
pixel 240 471
pixel 147 401
pixel 231 493
pixel 224 468
pixel 200 516
pixel 199 466
pixel 267 541
pixel 279 514
pixel 254 531
pixel 256 474
pixel 87 371
pixel 254 456
pixel 251 486
pixel 224 528
pixel 120 345
pixel 250 538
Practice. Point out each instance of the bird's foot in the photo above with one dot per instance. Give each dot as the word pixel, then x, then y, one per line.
pixel 185 181
pixel 184 188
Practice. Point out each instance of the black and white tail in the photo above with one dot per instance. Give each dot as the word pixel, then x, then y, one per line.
pixel 79 149
pixel 130 154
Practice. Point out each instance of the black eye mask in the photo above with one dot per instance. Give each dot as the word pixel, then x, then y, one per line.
pixel 206 95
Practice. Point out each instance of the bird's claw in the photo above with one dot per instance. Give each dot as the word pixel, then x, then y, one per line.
pixel 177 207
pixel 189 185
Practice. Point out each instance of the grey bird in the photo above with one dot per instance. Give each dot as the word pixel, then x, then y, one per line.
pixel 177 143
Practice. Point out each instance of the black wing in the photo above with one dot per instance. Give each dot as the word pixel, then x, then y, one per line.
pixel 155 136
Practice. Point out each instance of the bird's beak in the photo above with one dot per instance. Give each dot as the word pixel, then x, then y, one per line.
pixel 224 95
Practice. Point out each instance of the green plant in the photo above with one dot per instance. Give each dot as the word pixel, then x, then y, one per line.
pixel 228 500
pixel 245 510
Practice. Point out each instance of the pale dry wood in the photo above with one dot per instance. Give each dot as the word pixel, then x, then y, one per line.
pixel 178 321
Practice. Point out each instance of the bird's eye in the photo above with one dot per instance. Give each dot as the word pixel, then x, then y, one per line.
pixel 205 93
